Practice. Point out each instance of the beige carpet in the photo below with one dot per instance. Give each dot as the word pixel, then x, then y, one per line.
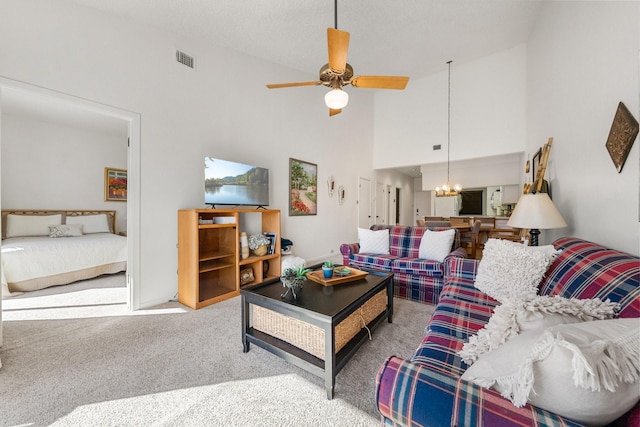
pixel 74 355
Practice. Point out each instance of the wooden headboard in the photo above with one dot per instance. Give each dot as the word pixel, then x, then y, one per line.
pixel 111 216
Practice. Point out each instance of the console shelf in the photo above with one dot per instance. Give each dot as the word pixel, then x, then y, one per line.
pixel 209 261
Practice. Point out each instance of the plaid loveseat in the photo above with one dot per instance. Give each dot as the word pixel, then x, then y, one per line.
pixel 427 389
pixel 413 278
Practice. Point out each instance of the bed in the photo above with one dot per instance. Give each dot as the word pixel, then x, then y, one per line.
pixel 49 248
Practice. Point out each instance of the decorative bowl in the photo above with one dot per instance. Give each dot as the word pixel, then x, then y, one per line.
pixel 343 271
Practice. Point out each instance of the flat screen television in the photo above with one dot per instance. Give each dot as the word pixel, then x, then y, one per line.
pixel 231 183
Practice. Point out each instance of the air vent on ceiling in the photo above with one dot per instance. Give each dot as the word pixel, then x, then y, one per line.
pixel 185 59
pixel 437 147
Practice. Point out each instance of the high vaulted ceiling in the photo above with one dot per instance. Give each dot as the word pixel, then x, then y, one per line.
pixel 412 38
pixel 388 37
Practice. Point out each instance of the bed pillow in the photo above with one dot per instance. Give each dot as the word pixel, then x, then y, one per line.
pixel 31 225
pixel 536 313
pixel 91 223
pixel 373 242
pixel 436 245
pixel 588 372
pixel 511 270
pixel 65 230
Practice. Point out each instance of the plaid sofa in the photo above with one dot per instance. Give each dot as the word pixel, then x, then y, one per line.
pixel 413 278
pixel 427 389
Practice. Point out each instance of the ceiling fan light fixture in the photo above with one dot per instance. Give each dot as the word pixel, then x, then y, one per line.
pixel 336 99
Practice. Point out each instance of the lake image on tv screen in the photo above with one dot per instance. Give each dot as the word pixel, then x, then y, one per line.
pixel 230 183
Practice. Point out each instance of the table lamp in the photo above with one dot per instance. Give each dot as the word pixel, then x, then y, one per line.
pixel 536 211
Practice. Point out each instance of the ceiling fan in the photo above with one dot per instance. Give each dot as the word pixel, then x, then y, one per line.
pixel 337 73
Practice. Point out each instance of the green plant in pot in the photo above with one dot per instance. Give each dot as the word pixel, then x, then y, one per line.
pixel 327 269
pixel 258 244
pixel 292 279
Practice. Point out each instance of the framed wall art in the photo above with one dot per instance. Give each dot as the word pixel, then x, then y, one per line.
pixel 303 188
pixel 115 185
pixel 535 164
pixel 622 135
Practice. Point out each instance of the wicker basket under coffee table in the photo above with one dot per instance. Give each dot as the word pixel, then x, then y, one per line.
pixel 323 328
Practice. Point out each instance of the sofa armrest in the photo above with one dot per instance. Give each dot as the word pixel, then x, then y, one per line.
pixel 346 249
pixel 459 267
pixel 457 253
pixel 410 394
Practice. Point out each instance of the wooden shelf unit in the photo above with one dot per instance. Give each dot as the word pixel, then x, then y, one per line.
pixel 209 259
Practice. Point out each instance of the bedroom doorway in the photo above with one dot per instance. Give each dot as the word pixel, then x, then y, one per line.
pixel 74 108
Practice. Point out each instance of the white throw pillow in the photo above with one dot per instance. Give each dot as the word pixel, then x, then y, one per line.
pixel 373 242
pixel 511 270
pixel 65 230
pixel 91 223
pixel 31 225
pixel 534 313
pixel 588 372
pixel 436 245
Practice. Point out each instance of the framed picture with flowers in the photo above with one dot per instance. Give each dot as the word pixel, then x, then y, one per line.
pixel 115 185
pixel 303 188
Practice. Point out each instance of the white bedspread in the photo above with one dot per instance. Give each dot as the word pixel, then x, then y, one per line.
pixel 26 258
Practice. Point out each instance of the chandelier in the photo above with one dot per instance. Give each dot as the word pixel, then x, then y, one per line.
pixel 447 189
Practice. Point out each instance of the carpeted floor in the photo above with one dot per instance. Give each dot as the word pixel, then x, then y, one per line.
pixel 74 355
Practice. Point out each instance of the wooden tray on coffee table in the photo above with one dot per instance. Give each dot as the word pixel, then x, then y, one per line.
pixel 318 277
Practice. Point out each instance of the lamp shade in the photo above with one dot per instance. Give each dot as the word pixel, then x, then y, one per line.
pixel 336 99
pixel 536 210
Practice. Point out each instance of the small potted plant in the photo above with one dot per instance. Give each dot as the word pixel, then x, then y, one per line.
pixel 258 244
pixel 293 278
pixel 327 269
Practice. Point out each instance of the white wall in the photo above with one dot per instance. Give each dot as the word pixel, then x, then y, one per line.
pixel 221 111
pixel 583 60
pixel 405 184
pixel 52 166
pixel 487 113
pixel 480 172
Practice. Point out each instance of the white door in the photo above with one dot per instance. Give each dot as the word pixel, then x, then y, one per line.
pixel 421 204
pixel 393 205
pixel 365 219
pixel 381 200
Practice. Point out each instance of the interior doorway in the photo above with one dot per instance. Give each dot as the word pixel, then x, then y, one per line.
pixel 132 122
pixel 421 204
pixel 393 205
pixel 364 203
pixel 382 201
pixel 397 207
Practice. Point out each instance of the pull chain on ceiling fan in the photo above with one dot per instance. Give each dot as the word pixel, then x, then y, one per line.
pixel 337 73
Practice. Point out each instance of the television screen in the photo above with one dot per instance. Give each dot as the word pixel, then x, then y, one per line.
pixel 231 183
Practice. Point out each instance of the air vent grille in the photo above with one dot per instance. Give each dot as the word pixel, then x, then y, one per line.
pixel 185 59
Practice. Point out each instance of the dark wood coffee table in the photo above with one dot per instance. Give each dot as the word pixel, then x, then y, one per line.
pixel 320 309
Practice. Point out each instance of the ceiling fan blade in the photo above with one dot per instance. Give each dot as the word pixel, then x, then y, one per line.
pixel 380 82
pixel 338 43
pixel 280 85
pixel 334 111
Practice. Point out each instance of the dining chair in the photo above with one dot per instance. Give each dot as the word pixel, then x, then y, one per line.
pixel 470 239
pixel 437 223
pixel 420 222
pixel 460 220
pixel 487 221
pixel 433 218
pixel 487 224
pixel 512 234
